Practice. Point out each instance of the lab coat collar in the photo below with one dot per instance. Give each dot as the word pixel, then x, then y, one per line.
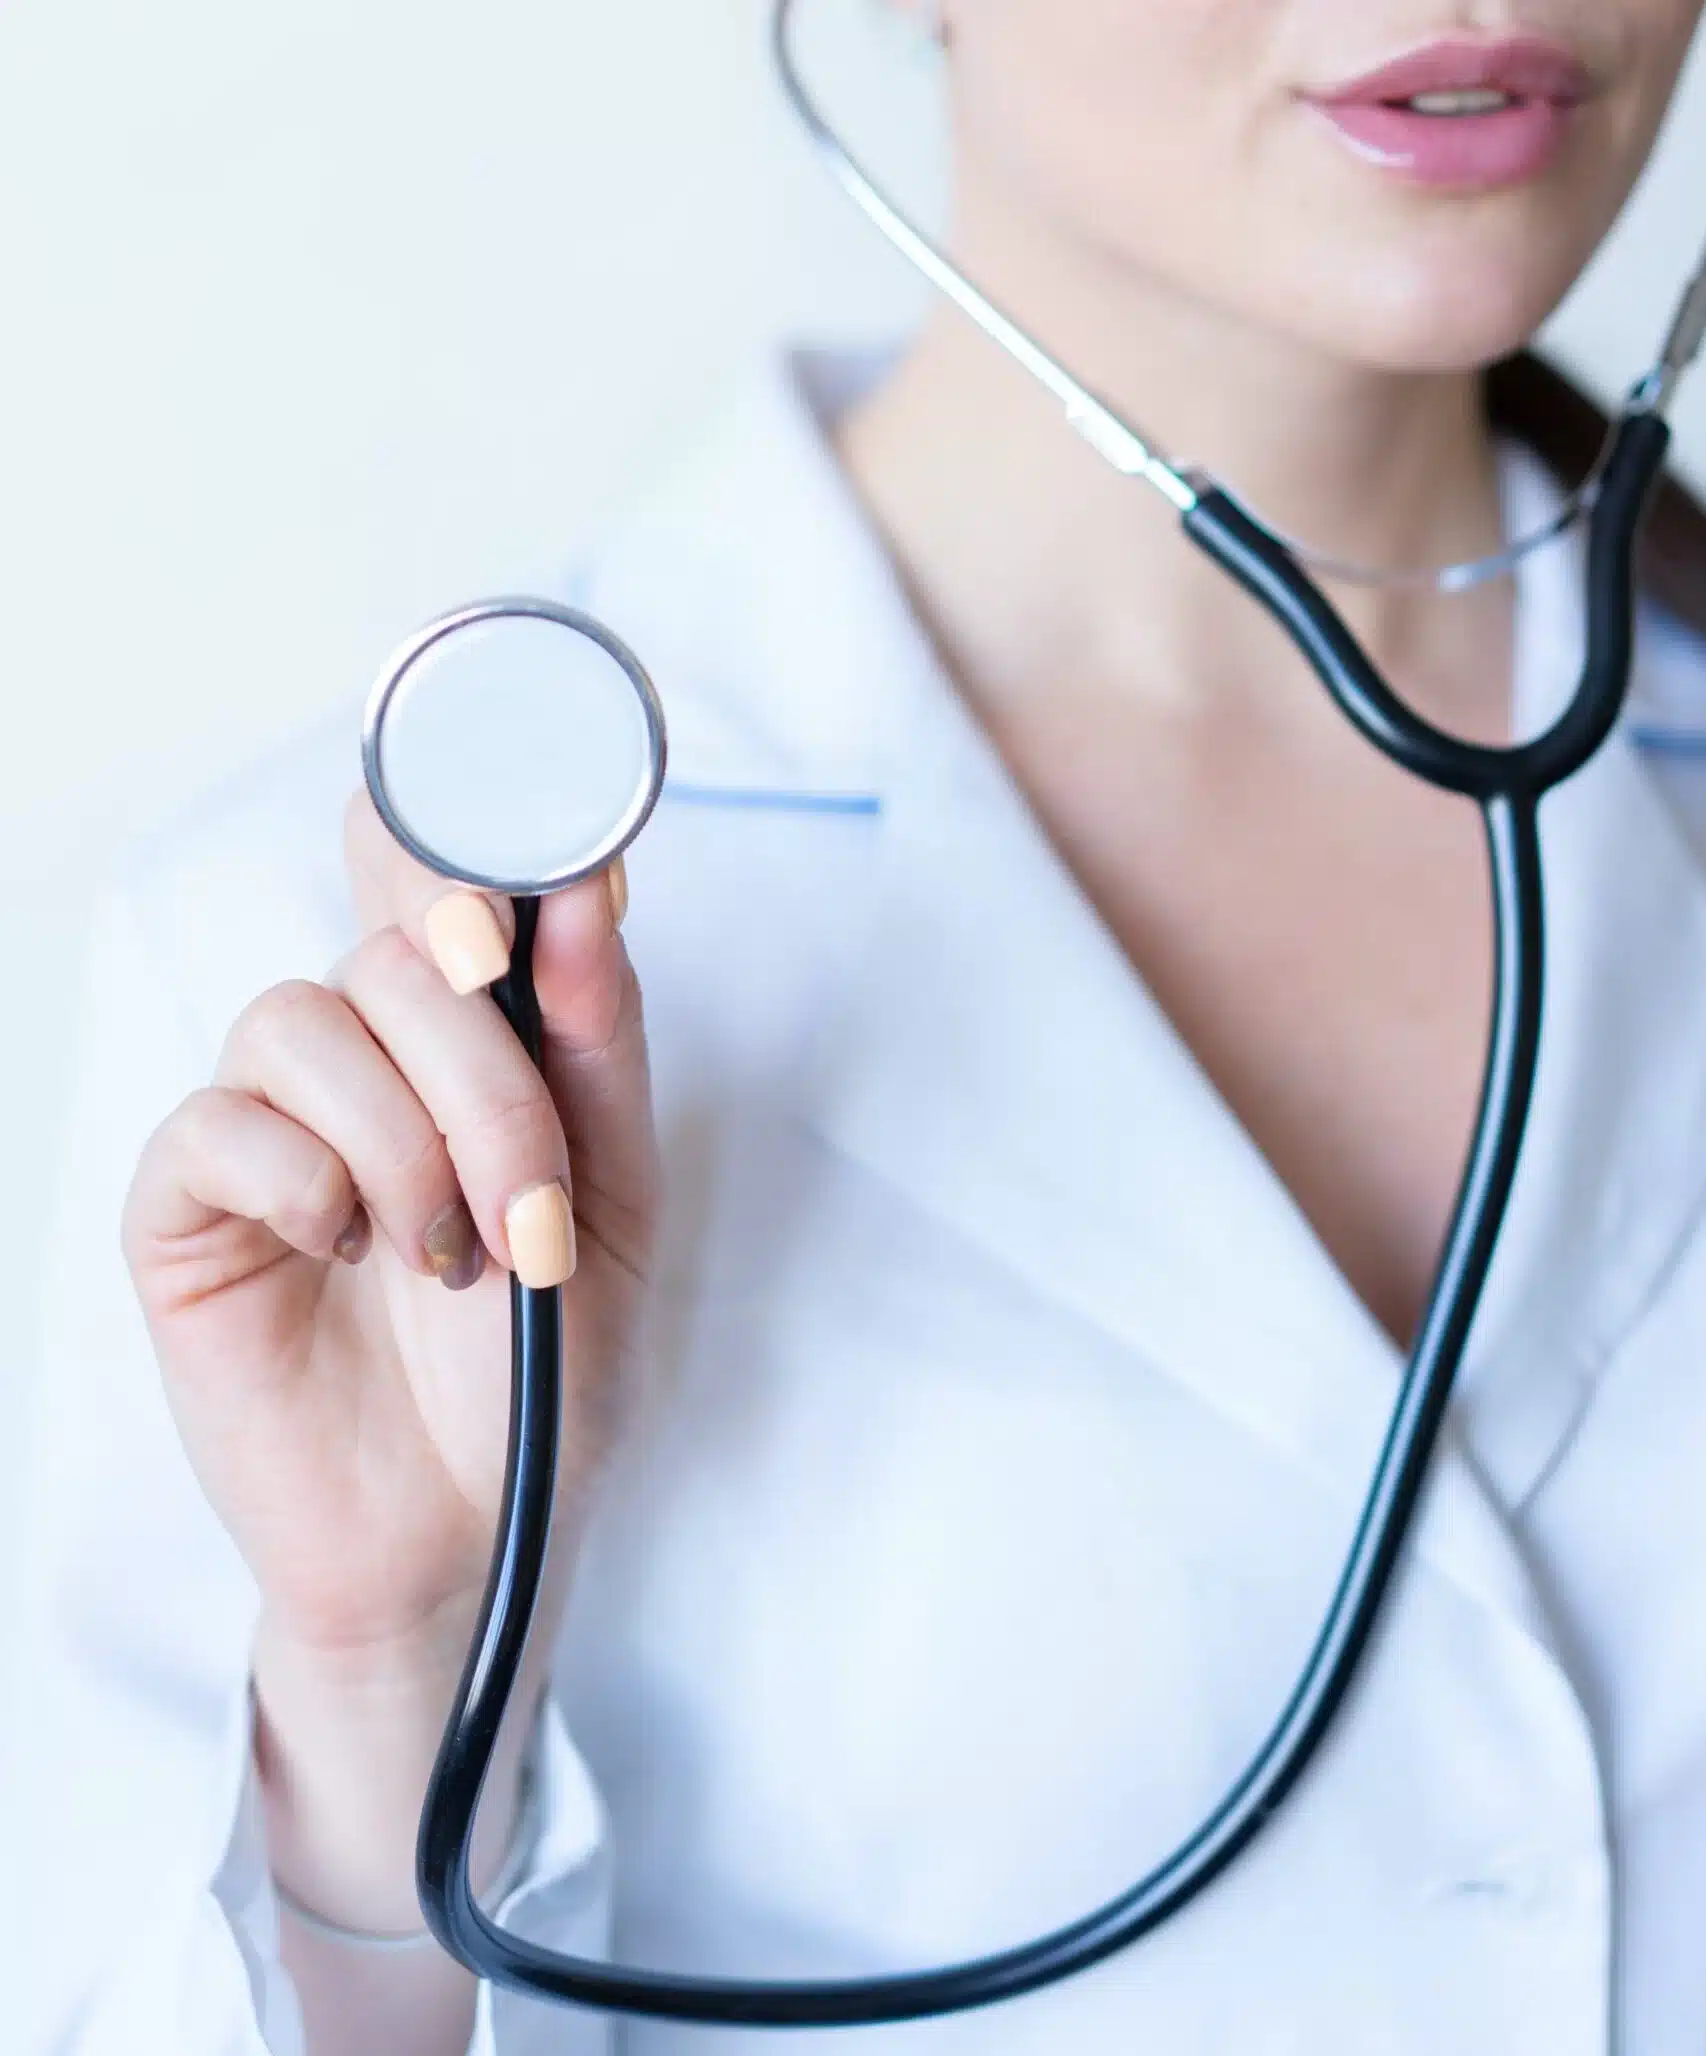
pixel 1615 1171
pixel 999 1064
pixel 781 639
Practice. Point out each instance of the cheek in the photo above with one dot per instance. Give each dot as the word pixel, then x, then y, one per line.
pixel 1115 116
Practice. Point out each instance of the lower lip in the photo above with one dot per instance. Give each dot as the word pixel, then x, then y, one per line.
pixel 1468 152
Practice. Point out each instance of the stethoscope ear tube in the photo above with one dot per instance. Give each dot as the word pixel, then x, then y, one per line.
pixel 1627 485
pixel 1270 572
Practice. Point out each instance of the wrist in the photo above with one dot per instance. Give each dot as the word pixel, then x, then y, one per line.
pixel 344 1744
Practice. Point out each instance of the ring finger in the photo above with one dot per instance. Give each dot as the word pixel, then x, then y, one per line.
pixel 304 1050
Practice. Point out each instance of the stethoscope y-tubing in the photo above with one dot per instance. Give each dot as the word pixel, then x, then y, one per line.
pixel 1507 784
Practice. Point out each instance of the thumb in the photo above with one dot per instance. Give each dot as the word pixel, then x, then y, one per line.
pixel 594 1060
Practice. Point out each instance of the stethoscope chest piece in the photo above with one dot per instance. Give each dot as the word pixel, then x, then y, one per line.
pixel 515 745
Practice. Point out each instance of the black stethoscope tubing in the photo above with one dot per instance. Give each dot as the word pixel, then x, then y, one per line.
pixel 1507 784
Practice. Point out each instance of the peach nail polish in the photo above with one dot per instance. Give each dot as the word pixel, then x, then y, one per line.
pixel 616 878
pixel 540 1226
pixel 466 940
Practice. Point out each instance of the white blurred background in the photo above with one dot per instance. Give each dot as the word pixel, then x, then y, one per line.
pixel 314 319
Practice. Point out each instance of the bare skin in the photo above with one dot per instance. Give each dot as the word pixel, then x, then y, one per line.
pixel 1315 923
pixel 1147 185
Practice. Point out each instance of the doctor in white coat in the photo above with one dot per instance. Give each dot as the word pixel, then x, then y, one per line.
pixel 991 1249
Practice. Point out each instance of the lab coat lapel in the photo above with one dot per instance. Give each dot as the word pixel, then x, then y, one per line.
pixel 995 1060
pixel 1614 1173
pixel 1000 1064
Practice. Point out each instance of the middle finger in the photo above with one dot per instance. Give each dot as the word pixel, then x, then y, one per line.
pixel 482 1090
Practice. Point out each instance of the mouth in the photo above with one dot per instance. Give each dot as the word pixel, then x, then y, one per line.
pixel 1461 113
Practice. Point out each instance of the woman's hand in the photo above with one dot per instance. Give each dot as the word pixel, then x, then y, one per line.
pixel 319 1239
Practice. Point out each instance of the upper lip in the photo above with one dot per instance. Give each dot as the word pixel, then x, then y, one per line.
pixel 1524 67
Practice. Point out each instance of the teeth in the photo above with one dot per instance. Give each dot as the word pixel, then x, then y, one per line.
pixel 1471 100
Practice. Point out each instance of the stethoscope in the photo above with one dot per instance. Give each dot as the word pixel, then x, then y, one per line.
pixel 557 772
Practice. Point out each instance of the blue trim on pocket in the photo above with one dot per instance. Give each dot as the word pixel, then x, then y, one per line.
pixel 771 799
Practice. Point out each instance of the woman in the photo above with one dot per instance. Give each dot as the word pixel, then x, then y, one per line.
pixel 989 1257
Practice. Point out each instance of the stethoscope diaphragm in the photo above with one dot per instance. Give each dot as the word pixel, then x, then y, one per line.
pixel 515 745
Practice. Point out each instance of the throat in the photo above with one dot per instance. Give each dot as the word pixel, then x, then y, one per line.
pixel 1319 938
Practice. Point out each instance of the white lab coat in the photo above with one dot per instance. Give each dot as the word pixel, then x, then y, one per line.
pixel 1005 1420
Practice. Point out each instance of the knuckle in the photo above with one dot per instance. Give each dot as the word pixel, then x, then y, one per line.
pixel 386 955
pixel 200 1117
pixel 520 1123
pixel 275 1017
pixel 621 1014
pixel 131 1233
pixel 385 961
pixel 419 1161
pixel 327 1189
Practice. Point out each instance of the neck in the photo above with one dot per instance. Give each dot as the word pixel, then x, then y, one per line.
pixel 1034 560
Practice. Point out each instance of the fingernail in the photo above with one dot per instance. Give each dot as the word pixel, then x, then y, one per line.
pixel 453 1247
pixel 357 1239
pixel 616 879
pixel 466 940
pixel 540 1225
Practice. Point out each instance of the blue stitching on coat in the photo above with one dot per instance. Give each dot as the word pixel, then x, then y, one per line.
pixel 1670 742
pixel 771 798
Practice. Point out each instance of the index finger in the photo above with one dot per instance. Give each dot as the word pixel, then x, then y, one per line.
pixel 469 934
pixel 593 1053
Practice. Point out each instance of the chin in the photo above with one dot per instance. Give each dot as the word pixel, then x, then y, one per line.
pixel 1453 313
